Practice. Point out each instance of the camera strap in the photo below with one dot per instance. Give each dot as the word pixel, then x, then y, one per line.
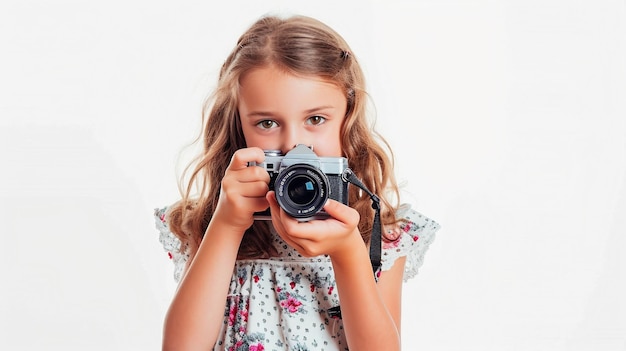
pixel 376 237
pixel 375 240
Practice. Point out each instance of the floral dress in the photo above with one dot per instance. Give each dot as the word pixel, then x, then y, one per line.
pixel 282 303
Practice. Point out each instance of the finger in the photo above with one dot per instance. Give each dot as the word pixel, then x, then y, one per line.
pixel 250 174
pixel 298 235
pixel 258 204
pixel 254 190
pixel 271 198
pixel 242 157
pixel 296 243
pixel 274 210
pixel 342 213
pixel 233 187
pixel 306 247
pixel 278 216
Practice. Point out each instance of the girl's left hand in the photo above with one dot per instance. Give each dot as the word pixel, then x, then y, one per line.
pixel 330 236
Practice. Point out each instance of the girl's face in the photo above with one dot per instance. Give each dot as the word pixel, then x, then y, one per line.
pixel 279 110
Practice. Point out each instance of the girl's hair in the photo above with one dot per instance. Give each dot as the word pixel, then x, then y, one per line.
pixel 302 46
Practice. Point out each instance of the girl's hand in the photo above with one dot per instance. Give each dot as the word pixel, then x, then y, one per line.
pixel 243 189
pixel 333 236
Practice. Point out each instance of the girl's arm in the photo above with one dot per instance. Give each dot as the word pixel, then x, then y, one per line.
pixel 196 313
pixel 370 311
pixel 390 288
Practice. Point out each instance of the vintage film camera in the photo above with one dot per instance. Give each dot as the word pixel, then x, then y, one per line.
pixel 303 182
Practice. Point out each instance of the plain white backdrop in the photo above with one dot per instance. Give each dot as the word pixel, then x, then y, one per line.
pixel 508 119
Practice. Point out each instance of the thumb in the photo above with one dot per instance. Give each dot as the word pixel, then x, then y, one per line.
pixel 342 213
pixel 271 198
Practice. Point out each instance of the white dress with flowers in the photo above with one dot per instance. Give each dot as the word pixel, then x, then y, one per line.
pixel 281 303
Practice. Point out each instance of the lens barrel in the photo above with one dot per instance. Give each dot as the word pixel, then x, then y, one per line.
pixel 301 190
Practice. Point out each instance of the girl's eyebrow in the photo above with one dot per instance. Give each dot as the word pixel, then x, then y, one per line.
pixel 271 114
pixel 319 108
pixel 259 114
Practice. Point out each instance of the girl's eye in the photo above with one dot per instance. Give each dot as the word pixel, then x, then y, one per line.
pixel 316 120
pixel 266 124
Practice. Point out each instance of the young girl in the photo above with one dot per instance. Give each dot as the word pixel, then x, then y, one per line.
pixel 247 284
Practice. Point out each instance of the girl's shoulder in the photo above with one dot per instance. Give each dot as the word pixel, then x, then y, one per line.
pixel 412 238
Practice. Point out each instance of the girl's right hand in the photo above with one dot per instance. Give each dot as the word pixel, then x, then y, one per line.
pixel 243 189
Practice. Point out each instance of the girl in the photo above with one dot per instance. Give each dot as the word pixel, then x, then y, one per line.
pixel 249 284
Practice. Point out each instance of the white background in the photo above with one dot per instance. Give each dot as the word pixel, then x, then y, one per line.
pixel 508 119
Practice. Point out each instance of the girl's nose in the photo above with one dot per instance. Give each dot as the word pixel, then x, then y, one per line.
pixel 291 138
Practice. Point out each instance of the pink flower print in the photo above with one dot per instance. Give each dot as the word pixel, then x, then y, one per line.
pixel 292 284
pixel 330 290
pixel 278 289
pixel 416 238
pixel 291 304
pixel 256 278
pixel 391 245
pixel 406 227
pixel 257 347
pixel 162 217
pixel 231 315
pixel 240 280
pixel 169 254
pixel 312 287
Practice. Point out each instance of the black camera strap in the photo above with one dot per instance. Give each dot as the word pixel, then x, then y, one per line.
pixel 375 240
pixel 376 237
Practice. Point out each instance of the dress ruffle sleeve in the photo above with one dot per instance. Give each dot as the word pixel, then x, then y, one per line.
pixel 171 243
pixel 417 233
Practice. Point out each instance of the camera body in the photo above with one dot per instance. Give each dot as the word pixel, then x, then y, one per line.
pixel 303 182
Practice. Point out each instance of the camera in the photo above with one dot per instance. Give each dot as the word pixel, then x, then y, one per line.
pixel 303 182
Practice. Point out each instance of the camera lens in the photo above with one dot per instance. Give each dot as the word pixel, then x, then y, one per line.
pixel 301 190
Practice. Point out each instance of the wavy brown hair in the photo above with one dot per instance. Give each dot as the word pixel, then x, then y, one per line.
pixel 298 45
